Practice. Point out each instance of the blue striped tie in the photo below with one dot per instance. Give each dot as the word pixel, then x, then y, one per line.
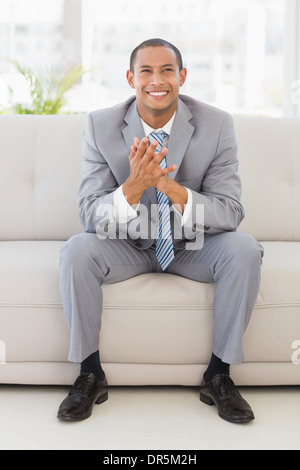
pixel 164 243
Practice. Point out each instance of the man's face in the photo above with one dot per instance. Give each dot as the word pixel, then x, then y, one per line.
pixel 156 79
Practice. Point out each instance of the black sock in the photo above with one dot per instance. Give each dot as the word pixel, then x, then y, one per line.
pixel 92 364
pixel 216 366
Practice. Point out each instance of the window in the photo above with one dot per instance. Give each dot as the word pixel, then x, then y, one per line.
pixel 241 56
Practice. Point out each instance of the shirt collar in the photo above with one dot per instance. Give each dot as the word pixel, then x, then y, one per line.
pixel 166 128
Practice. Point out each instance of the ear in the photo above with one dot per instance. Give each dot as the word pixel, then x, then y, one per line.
pixel 130 78
pixel 182 76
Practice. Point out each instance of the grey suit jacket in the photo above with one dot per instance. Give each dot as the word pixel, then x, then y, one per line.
pixel 203 146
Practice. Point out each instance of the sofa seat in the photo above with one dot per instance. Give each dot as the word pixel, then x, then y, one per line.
pixel 139 336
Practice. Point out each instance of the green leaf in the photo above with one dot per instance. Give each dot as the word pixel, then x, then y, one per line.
pixel 47 89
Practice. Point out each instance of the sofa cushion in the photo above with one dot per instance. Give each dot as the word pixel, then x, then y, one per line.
pixel 269 152
pixel 275 322
pixel 147 327
pixel 40 174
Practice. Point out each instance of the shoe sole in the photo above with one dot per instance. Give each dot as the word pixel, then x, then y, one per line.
pixel 99 400
pixel 210 402
pixel 102 398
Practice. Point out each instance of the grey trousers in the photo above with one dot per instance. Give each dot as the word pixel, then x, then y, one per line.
pixel 232 260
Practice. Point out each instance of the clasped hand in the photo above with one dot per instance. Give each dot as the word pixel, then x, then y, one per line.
pixel 144 166
pixel 145 172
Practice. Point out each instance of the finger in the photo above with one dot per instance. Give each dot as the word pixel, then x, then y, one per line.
pixel 168 170
pixel 162 153
pixel 136 142
pixel 151 152
pixel 135 145
pixel 157 158
pixel 142 148
pixel 132 153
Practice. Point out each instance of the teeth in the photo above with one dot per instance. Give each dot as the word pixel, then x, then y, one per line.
pixel 157 93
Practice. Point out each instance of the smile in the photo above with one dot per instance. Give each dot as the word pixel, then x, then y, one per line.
pixel 157 93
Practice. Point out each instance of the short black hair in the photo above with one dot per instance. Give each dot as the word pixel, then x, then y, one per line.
pixel 155 42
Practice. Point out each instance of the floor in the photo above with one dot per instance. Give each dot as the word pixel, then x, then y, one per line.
pixel 148 418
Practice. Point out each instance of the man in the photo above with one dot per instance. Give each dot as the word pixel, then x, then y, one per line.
pixel 125 167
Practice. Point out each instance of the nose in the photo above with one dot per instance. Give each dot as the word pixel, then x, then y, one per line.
pixel 156 79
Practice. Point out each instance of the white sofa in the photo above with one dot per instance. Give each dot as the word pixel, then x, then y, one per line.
pixel 148 340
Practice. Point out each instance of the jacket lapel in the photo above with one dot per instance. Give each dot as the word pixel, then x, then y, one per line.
pixel 180 137
pixel 134 126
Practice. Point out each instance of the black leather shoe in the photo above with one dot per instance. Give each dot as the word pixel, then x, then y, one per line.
pixel 86 391
pixel 222 392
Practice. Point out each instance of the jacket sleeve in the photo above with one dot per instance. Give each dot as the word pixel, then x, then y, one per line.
pixel 95 192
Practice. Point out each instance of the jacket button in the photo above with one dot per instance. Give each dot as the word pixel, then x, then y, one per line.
pixel 138 245
pixel 206 227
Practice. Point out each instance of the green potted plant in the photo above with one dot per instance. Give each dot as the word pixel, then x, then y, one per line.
pixel 47 89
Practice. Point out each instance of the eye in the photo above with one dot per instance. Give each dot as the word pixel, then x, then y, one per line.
pixel 145 71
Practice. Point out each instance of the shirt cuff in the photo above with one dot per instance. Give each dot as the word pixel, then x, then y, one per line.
pixel 124 211
pixel 187 208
